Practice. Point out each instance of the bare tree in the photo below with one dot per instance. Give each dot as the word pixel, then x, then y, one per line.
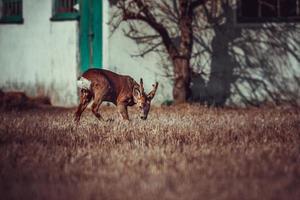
pixel 171 22
pixel 252 63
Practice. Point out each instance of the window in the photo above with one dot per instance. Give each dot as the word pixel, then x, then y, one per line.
pixel 268 11
pixel 64 10
pixel 11 11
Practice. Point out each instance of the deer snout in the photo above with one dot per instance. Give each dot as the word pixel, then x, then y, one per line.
pixel 143 117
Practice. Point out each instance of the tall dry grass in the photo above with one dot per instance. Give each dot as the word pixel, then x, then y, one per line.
pixel 183 152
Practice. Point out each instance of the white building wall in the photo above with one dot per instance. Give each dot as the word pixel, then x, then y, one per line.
pixel 121 61
pixel 149 67
pixel 40 56
pixel 120 49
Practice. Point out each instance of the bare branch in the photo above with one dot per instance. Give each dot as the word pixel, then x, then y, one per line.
pixel 169 12
pixel 146 16
pixel 142 39
pixel 175 6
pixel 147 50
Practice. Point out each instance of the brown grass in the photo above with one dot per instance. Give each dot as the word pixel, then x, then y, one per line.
pixel 183 152
pixel 19 100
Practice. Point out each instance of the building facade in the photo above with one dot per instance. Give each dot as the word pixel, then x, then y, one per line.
pixel 45 45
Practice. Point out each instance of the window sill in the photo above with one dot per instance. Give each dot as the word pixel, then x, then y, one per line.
pixel 268 20
pixel 65 16
pixel 12 20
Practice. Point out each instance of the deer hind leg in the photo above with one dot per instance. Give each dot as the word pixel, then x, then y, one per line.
pixel 85 99
pixel 95 108
pixel 100 91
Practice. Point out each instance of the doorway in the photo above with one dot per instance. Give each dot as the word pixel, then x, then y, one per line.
pixel 90 34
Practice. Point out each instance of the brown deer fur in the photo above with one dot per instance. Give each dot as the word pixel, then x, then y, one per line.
pixel 121 90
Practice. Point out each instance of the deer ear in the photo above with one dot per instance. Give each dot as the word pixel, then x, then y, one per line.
pixel 151 94
pixel 136 93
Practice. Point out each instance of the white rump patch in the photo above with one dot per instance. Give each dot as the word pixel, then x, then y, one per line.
pixel 84 83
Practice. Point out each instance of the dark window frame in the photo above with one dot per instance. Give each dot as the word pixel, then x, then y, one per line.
pixel 261 11
pixel 12 12
pixel 63 10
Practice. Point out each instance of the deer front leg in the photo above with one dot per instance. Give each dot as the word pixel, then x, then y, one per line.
pixel 85 98
pixel 123 111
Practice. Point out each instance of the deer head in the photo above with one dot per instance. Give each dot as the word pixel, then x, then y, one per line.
pixel 142 99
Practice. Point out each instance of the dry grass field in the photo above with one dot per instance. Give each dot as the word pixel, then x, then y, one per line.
pixel 181 152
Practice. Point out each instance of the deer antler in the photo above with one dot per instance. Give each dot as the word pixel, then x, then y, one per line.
pixel 152 93
pixel 141 86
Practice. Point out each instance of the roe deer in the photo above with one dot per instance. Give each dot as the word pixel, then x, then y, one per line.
pixel 103 85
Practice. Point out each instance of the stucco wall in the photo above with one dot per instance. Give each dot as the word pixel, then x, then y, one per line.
pixel 121 60
pixel 121 50
pixel 282 80
pixel 40 56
